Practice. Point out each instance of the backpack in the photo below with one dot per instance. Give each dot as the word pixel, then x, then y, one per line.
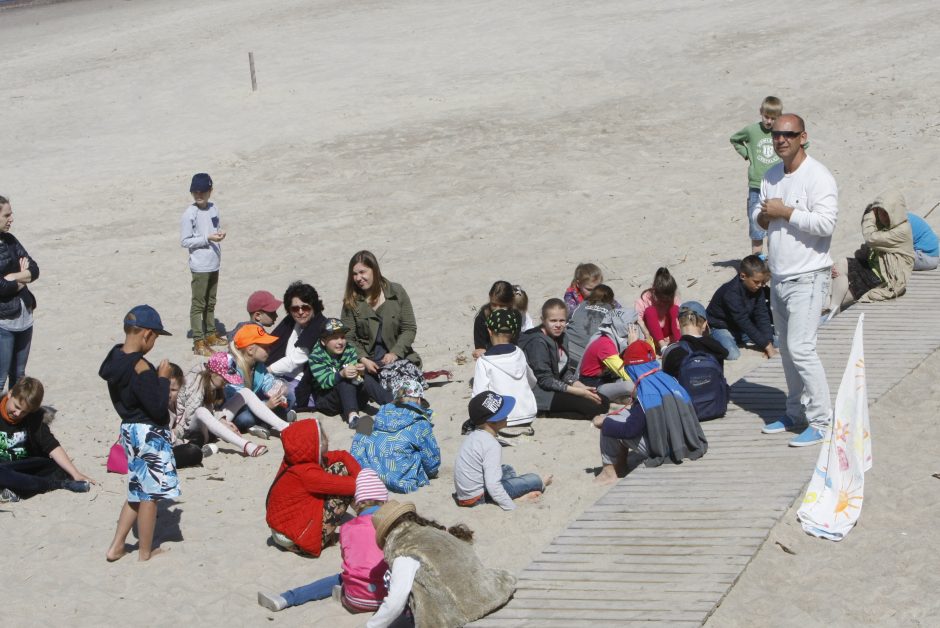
pixel 702 376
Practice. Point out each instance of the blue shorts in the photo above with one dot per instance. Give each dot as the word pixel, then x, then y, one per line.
pixel 753 200
pixel 151 468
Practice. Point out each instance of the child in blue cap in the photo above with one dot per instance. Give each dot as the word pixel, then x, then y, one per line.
pixel 140 394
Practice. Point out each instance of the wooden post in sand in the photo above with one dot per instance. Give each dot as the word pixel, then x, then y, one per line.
pixel 251 68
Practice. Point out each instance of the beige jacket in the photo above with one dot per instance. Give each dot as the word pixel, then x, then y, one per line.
pixel 893 247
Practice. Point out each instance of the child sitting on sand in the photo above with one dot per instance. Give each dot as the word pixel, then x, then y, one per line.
pixel 697 362
pixel 362 582
pixel 400 444
pixel 657 308
pixel 199 408
pixel 601 367
pixel 31 459
pixel 502 297
pixel 261 391
pixel 739 314
pixel 341 384
pixel 140 394
pixel 311 492
pixel 587 276
pixel 435 578
pixel 584 321
pixel 479 475
pixel 503 368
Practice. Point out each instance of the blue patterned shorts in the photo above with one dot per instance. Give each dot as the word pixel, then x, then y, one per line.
pixel 151 468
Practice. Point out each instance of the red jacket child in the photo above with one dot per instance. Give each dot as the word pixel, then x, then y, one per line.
pixel 295 499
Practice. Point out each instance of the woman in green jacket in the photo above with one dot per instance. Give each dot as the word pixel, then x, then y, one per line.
pixel 379 316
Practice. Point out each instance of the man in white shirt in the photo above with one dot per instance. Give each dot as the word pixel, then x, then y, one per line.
pixel 799 208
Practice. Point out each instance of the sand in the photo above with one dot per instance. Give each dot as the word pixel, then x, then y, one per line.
pixel 462 143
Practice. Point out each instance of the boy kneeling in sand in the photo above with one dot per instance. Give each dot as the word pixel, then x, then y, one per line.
pixel 479 474
pixel 31 459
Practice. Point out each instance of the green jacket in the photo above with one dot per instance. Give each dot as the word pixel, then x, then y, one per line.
pixel 399 327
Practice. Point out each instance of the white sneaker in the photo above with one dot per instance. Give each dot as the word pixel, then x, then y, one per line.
pixel 272 601
pixel 210 449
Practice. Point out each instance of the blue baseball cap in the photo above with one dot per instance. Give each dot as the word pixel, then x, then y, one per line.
pixel 145 317
pixel 488 407
pixel 694 306
pixel 202 182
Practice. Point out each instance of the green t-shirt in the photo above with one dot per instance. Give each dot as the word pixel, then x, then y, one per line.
pixel 755 144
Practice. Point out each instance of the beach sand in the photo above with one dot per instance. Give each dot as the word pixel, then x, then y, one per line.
pixel 462 143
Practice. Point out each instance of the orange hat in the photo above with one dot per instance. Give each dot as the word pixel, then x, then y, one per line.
pixel 252 334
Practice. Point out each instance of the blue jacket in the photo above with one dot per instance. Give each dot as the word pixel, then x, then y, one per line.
pixel 924 238
pixel 401 449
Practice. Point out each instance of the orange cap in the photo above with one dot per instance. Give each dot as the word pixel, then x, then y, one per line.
pixel 252 334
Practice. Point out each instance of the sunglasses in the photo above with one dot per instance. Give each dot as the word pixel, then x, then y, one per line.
pixel 787 134
pixel 297 309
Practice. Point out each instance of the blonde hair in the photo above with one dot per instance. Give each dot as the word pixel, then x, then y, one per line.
pixel 772 106
pixel 587 270
pixel 241 360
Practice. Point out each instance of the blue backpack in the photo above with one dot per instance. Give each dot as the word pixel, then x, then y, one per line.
pixel 703 377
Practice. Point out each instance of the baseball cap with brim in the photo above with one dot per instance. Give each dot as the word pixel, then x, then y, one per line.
pixel 385 517
pixel 253 335
pixel 145 317
pixel 201 182
pixel 263 301
pixel 333 326
pixel 695 307
pixel 489 407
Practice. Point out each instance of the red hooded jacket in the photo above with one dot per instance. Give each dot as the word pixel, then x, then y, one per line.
pixel 295 500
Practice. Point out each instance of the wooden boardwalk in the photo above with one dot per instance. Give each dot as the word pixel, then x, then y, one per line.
pixel 665 545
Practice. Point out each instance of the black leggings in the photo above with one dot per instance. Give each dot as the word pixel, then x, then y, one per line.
pixel 30 476
pixel 566 403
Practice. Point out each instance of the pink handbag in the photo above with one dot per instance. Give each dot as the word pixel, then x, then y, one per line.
pixel 117 459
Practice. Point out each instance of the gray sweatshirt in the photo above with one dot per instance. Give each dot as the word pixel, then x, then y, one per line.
pixel 195 227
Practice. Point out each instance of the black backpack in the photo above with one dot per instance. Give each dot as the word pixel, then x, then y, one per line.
pixel 703 377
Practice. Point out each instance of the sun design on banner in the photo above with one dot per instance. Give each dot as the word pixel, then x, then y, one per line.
pixel 849 497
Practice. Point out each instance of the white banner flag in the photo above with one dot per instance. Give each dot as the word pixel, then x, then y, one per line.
pixel 833 500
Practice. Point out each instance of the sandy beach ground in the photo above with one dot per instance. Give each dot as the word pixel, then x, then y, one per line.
pixel 462 143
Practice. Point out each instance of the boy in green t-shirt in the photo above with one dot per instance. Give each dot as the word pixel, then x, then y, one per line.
pixel 754 143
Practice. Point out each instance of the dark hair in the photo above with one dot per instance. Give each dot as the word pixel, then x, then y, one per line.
pixel 551 304
pixel 502 292
pixel 460 531
pixel 367 259
pixel 602 293
pixel 664 286
pixel 306 293
pixel 753 265
pixel 520 300
pixel 176 373
pixel 4 200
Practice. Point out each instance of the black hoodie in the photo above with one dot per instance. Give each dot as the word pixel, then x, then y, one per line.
pixel 137 397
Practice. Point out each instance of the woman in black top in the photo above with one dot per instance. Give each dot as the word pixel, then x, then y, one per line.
pixel 17 271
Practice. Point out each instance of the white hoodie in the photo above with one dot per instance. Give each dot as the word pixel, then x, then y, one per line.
pixel 508 374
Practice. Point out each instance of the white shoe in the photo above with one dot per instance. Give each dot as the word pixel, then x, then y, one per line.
pixel 272 601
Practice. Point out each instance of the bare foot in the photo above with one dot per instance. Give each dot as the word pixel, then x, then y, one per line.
pixel 598 421
pixel 113 556
pixel 608 475
pixel 534 496
pixel 547 480
pixel 156 552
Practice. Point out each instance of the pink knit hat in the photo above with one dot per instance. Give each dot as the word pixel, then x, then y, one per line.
pixel 369 486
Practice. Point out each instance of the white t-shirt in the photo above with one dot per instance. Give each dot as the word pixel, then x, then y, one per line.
pixel 800 245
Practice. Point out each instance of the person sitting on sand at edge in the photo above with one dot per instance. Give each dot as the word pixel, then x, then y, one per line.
pixel 660 424
pixel 435 577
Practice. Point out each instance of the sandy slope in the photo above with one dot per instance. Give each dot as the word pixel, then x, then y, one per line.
pixel 462 142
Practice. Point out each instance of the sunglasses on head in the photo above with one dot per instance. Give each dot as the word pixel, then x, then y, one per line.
pixel 297 309
pixel 787 134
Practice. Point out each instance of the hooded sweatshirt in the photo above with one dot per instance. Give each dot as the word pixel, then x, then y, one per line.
pixel 295 499
pixel 503 369
pixel 583 324
pixel 607 345
pixel 137 397
pixel 891 250
pixel 402 448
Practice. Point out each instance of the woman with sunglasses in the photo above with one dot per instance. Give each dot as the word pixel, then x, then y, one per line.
pixel 379 316
pixel 297 335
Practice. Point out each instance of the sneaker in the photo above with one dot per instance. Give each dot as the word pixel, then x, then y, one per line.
pixel 259 432
pixel 209 449
pixel 783 424
pixel 272 601
pixel 201 347
pixel 337 593
pixel 6 495
pixel 76 486
pixel 809 436
pixel 290 416
pixel 353 421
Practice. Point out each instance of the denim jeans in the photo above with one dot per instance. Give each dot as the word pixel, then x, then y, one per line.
pixel 316 590
pixel 797 305
pixel 14 352
pixel 518 485
pixel 727 340
pixel 347 397
pixel 753 200
pixel 29 476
